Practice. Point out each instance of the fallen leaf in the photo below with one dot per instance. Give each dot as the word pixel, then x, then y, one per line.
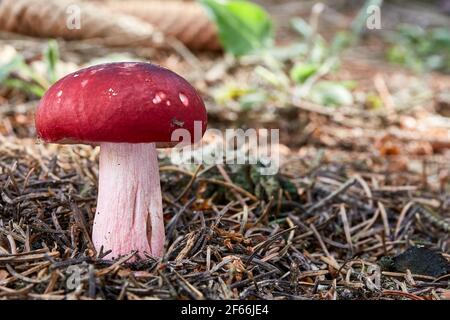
pixel 3 274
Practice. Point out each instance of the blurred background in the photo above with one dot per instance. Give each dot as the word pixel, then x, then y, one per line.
pixel 360 91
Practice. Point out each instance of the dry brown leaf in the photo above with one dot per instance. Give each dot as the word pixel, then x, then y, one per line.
pixel 236 264
pixel 123 273
pixel 52 18
pixel 185 21
pixel 388 146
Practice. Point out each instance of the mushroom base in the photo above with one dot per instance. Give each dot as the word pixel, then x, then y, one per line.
pixel 129 205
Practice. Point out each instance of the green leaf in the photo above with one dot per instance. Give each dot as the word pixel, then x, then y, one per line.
pixel 330 93
pixel 302 71
pixel 288 52
pixel 25 86
pixel 230 92
pixel 373 101
pixel 276 79
pixel 302 27
pixel 442 37
pixel 420 49
pixel 244 27
pixel 341 40
pixel 349 84
pixel 15 64
pixel 319 51
pixel 252 100
pixel 51 56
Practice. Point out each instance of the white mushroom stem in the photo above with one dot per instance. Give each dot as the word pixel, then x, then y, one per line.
pixel 129 205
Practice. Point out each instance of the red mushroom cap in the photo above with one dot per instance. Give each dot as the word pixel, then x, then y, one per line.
pixel 130 102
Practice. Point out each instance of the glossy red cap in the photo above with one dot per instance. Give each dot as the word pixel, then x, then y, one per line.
pixel 130 102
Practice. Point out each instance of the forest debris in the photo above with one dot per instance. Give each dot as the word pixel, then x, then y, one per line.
pixel 266 246
pixel 3 274
pixel 401 294
pixel 51 19
pixel 30 256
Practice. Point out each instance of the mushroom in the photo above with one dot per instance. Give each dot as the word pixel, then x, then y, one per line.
pixel 129 109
